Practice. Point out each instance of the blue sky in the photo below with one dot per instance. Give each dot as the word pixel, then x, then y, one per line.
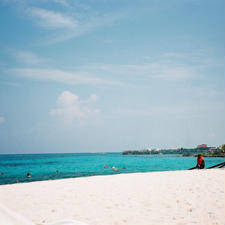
pixel 100 76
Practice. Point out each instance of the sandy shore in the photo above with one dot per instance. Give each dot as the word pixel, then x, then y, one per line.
pixel 157 198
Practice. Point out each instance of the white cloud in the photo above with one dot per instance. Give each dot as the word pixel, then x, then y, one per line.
pixel 71 108
pixel 67 99
pixel 51 19
pixel 2 119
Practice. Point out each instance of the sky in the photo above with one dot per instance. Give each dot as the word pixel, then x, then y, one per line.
pixel 109 76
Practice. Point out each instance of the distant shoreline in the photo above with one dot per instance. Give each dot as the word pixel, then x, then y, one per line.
pixel 203 155
pixel 192 152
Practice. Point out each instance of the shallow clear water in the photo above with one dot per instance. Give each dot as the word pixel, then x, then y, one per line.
pixel 13 168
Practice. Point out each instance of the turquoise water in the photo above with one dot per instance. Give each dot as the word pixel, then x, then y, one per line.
pixel 13 168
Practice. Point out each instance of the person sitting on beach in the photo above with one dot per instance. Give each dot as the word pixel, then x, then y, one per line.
pixel 200 162
pixel 28 175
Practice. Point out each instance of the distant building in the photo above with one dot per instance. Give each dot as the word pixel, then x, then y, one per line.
pixel 214 149
pixel 202 146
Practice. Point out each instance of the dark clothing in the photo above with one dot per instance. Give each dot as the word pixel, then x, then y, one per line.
pixel 202 165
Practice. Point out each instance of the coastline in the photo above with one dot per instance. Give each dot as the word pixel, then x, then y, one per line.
pixel 169 197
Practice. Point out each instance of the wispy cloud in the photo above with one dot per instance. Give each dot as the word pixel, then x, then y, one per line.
pixel 75 19
pixel 164 68
pixel 154 70
pixel 55 75
pixel 82 27
pixel 168 66
pixel 51 19
pixel 71 108
pixel 27 57
pixel 71 78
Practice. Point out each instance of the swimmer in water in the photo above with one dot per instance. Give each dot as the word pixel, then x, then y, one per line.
pixel 115 169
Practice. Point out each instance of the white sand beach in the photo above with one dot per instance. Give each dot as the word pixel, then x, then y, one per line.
pixel 194 197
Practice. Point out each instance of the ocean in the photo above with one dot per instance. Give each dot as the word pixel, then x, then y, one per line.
pixel 14 168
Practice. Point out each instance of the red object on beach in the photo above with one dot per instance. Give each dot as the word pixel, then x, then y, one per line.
pixel 200 159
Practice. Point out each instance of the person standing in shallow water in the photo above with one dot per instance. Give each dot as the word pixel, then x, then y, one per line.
pixel 200 162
